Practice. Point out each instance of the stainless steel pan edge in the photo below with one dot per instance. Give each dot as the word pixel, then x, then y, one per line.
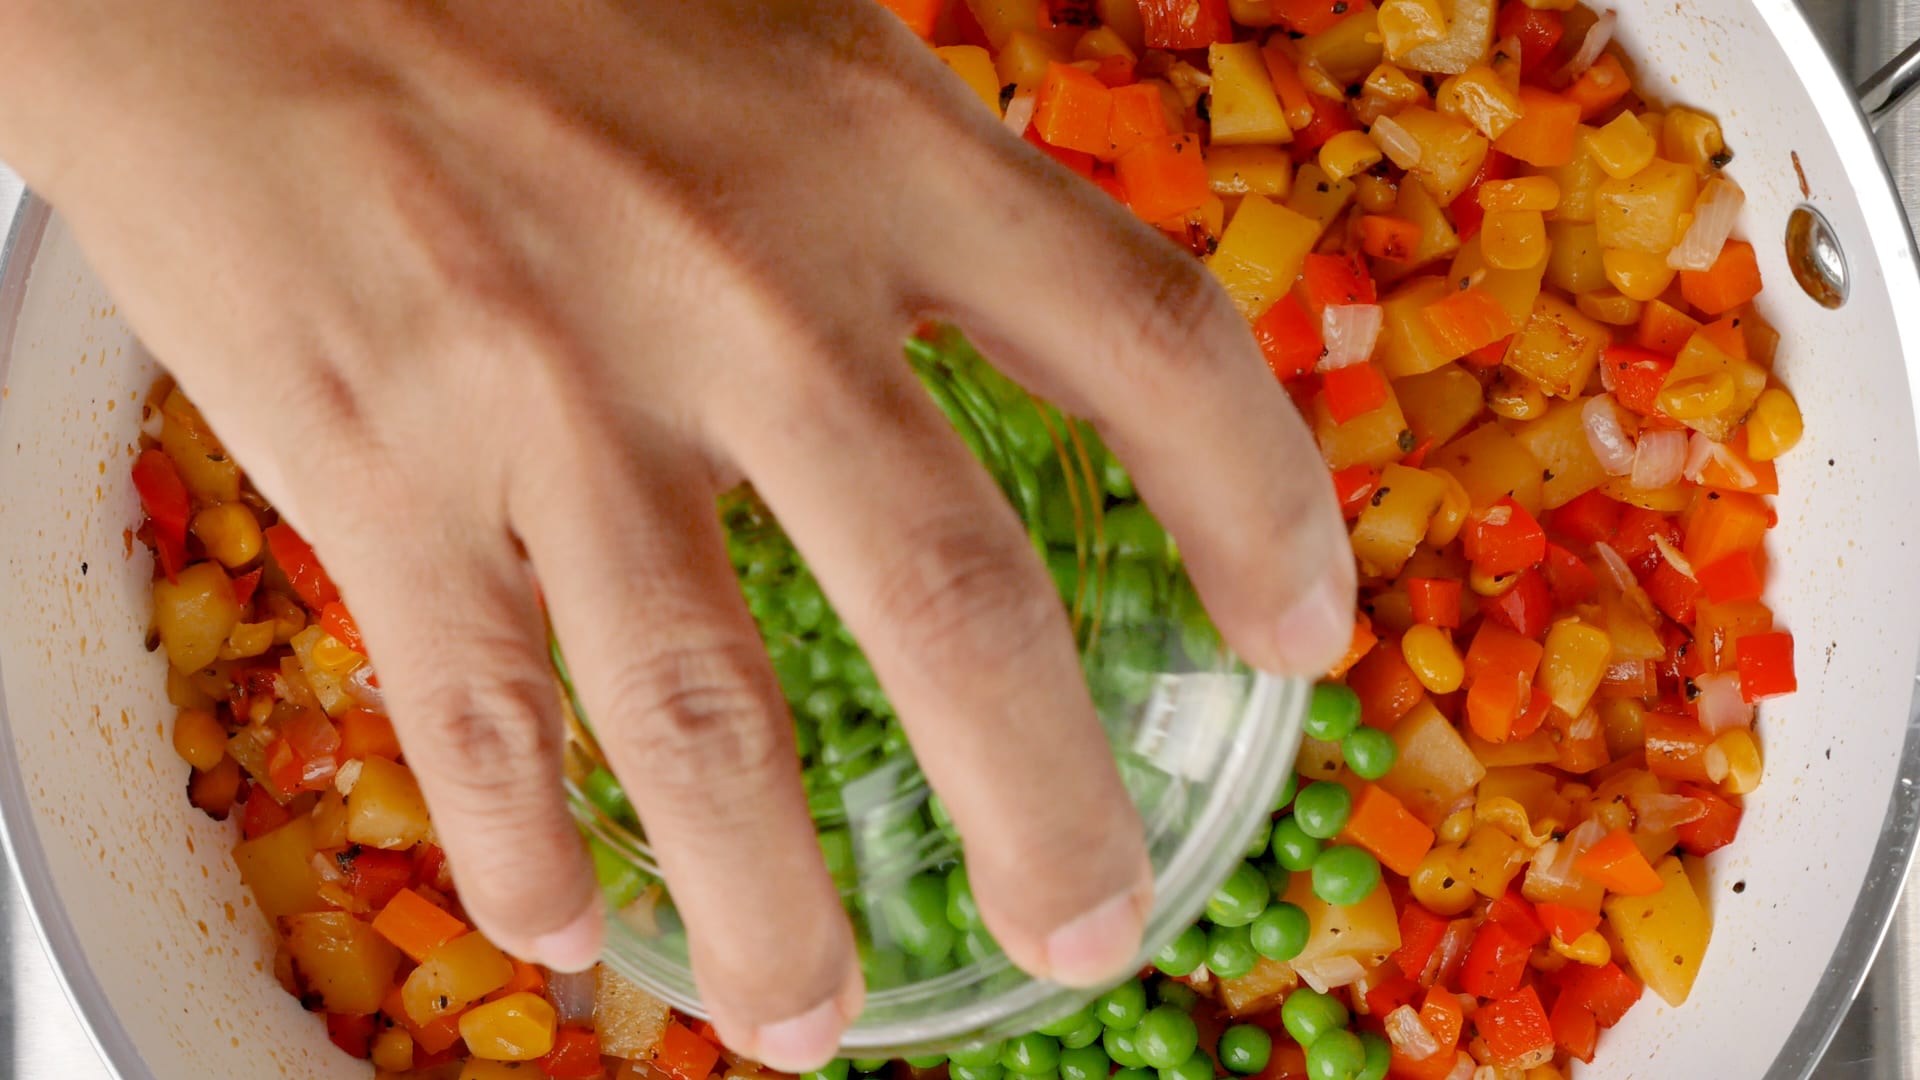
pixel 1850 121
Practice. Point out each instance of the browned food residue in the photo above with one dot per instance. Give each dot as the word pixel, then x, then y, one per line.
pixel 1805 192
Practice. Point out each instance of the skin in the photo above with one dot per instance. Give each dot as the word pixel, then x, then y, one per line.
pixel 488 293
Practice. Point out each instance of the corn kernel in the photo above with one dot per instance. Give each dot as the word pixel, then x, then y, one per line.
pixel 1406 25
pixel 198 738
pixel 1637 274
pixel 1622 146
pixel 335 658
pixel 1775 426
pixel 974 65
pixel 393 1050
pixel 1610 307
pixel 230 532
pixel 1430 652
pixel 1693 138
pixel 1545 1072
pixel 1514 239
pixel 1742 754
pixel 1516 399
pixel 1386 91
pixel 1491 586
pixel 1693 399
pixel 1521 193
pixel 1348 153
pixel 518 1027
pixel 1589 948
pixel 1454 505
pixel 1481 98
pixel 1490 859
pixel 247 640
pixel 1440 882
pixel 1455 827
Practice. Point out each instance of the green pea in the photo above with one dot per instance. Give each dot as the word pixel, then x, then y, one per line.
pixel 1245 1049
pixel 1379 1056
pixel 806 604
pixel 1322 808
pixel 1177 994
pixel 1241 898
pixel 621 882
pixel 1262 836
pixel 1281 931
pixel 1333 712
pixel 836 846
pixel 962 912
pixel 869 1065
pixel 825 704
pixel 1083 1036
pixel 1068 1022
pixel 1370 752
pixel 806 738
pixel 1123 1048
pixel 1230 951
pixel 1114 478
pixel 977 1054
pixel 917 915
pixel 1031 1053
pixel 1309 1014
pixel 1166 1036
pixel 1085 1063
pixel 993 1071
pixel 1123 1006
pixel 1130 599
pixel 1184 953
pixel 930 1061
pixel 1345 875
pixel 1197 1066
pixel 1132 533
pixel 975 945
pixel 832 1070
pixel 605 792
pixel 1288 789
pixel 1336 1055
pixel 1135 1074
pixel 884 967
pixel 1279 878
pixel 1292 848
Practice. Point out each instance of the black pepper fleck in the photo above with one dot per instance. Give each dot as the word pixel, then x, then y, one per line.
pixel 1546 476
pixel 83 569
pixel 1006 95
pixel 1722 159
pixel 1740 886
pixel 1405 441
pixel 1378 494
pixel 1322 187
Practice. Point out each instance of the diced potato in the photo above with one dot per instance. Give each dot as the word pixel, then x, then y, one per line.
pixel 1263 988
pixel 342 960
pixel 1243 107
pixel 1736 386
pixel 974 66
pixel 195 614
pixel 1479 97
pixel 1395 520
pixel 278 868
pixel 1348 49
pixel 1557 347
pixel 1469 36
pixel 1663 937
pixel 630 1020
pixel 330 818
pixel 1374 438
pixel 1318 196
pixel 1558 441
pixel 209 474
pixel 247 640
pixel 329 687
pixel 1249 170
pixel 1622 146
pixel 1515 290
pixel 1366 932
pixel 1439 404
pixel 1573 664
pixel 386 809
pixel 1451 151
pixel 1262 252
pixel 1407 346
pixel 1023 61
pixel 453 976
pixel 1579 181
pixel 1437 237
pixel 1645 211
pixel 518 1027
pixel 1574 257
pixel 1434 768
pixel 1000 19
pixel 1492 465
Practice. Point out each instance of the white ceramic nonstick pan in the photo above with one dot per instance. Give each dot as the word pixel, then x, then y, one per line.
pixel 145 917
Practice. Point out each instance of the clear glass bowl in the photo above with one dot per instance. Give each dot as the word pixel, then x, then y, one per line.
pixel 1202 742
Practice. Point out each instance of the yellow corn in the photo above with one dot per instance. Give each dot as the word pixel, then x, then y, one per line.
pixel 518 1027
pixel 1388 90
pixel 1589 948
pixel 1481 98
pixel 1491 586
pixel 1637 274
pixel 335 658
pixel 1406 25
pixel 1522 193
pixel 1624 721
pixel 230 532
pixel 974 65
pixel 1514 239
pixel 1622 146
pixel 1743 762
pixel 247 640
pixel 1490 859
pixel 393 1050
pixel 1440 882
pixel 1693 138
pixel 1775 426
pixel 1454 505
pixel 198 738
pixel 1609 307
pixel 1455 827
pixel 1375 194
pixel 1430 652
pixel 1348 153
pixel 1516 399
pixel 1693 399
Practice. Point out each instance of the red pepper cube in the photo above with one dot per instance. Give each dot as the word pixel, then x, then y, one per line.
pixel 1073 109
pixel 1289 338
pixel 1495 961
pixel 1336 280
pixel 1605 991
pixel 1637 375
pixel 1765 662
pixel 1732 577
pixel 1354 485
pixel 1574 1028
pixel 1503 539
pixel 1420 934
pixel 1139 115
pixel 1515 1027
pixel 1526 608
pixel 1185 24
pixel 1436 602
pixel 1353 391
pixel 1717 829
pixel 1164 177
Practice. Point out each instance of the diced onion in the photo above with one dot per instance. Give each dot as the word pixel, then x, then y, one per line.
pixel 1463 1068
pixel 1627 672
pixel 571 994
pixel 1396 142
pixel 1330 972
pixel 325 866
pixel 1738 474
pixel 1720 705
pixel 1699 456
pixel 1501 1072
pixel 1658 459
pixel 1350 332
pixel 1655 812
pixel 1595 43
pixel 1672 555
pixel 361 689
pixel 1713 216
pixel 1409 1034
pixel 1452 947
pixel 1019 113
pixel 1610 442
pixel 1584 726
pixel 152 420
pixel 1619 574
pixel 1551 870
pixel 347 778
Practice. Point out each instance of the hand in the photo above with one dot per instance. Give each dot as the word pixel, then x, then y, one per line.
pixel 471 286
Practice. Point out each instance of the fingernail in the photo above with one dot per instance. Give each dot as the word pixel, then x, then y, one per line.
pixel 575 946
pixel 1315 632
pixel 801 1043
pixel 1098 945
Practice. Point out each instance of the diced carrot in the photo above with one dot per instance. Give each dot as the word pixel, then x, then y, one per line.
pixel 1384 826
pixel 1363 642
pixel 1664 328
pixel 1547 131
pixel 1283 67
pixel 684 1055
pixel 1165 177
pixel 1078 161
pixel 1733 280
pixel 1386 686
pixel 365 733
pixel 1444 1016
pixel 1138 115
pixel 1467 320
pixel 1073 110
pixel 415 925
pixel 1599 87
pixel 1616 863
pixel 1722 523
pixel 921 16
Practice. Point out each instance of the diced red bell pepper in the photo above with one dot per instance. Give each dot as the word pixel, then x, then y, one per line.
pixel 1590 518
pixel 1417 457
pixel 1732 577
pixel 575 1055
pixel 335 620
pixel 1354 485
pixel 1539 31
pixel 1565 922
pixel 1574 1028
pixel 1513 910
pixel 1673 592
pixel 1633 539
pixel 430 867
pixel 1420 933
pixel 1289 338
pixel 1515 1027
pixel 375 876
pixel 1185 24
pixel 1716 830
pixel 1436 602
pixel 1495 961
pixel 1354 390
pixel 1603 990
pixel 1637 375
pixel 1330 118
pixel 1503 539
pixel 304 572
pixel 1765 662
pixel 1390 993
pixel 1526 608
pixel 1386 686
pixel 684 1055
pixel 260 814
pixel 1336 280
pixel 1313 16
pixel 1538 708
pixel 1569 579
pixel 246 585
pixel 163 495
pixel 1466 210
pixel 354 1034
pixel 307 753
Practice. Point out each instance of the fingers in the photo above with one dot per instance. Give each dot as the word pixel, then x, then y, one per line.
pixel 451 614
pixel 924 559
pixel 1097 312
pixel 671 670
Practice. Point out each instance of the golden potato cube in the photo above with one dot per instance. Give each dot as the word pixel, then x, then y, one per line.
pixel 1646 211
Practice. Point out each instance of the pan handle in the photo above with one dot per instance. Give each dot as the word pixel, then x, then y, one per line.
pixel 1886 90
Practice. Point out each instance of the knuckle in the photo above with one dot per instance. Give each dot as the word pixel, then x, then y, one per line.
pixel 1182 322
pixel 494 742
pixel 965 598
